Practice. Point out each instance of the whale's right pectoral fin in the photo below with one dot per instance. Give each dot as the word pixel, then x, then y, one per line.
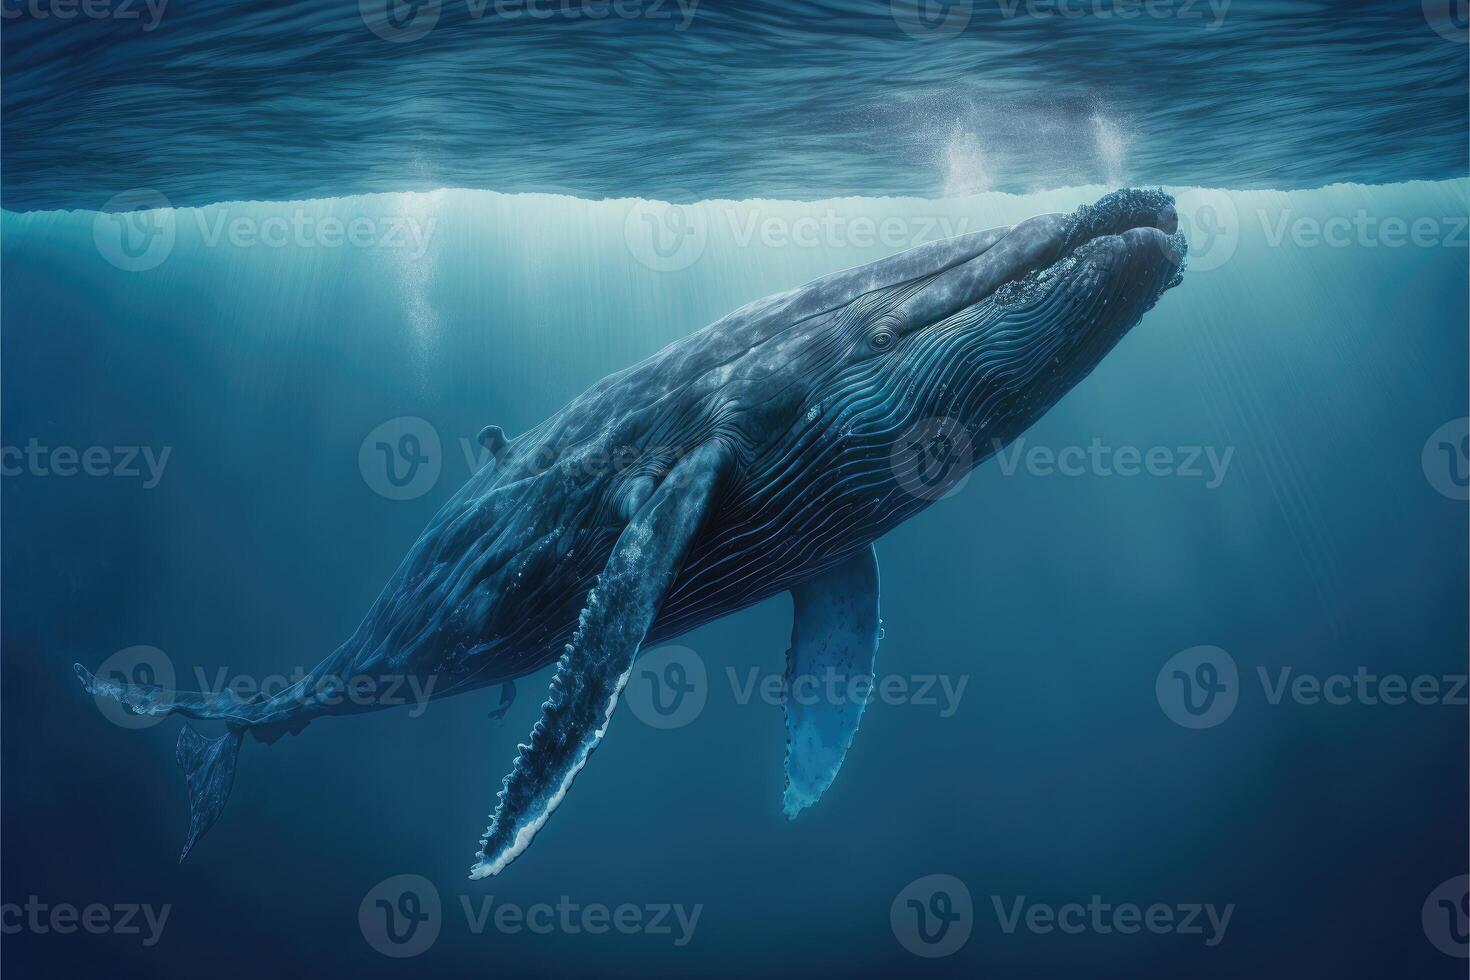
pixel 590 675
pixel 829 673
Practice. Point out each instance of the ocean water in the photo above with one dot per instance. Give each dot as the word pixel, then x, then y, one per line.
pixel 1196 644
pixel 1325 538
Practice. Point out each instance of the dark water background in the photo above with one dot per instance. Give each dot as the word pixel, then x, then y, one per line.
pixel 1326 548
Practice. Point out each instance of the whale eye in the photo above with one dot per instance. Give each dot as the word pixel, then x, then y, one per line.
pixel 886 330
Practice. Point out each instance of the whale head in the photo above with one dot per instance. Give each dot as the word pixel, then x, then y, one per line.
pixel 978 335
pixel 994 341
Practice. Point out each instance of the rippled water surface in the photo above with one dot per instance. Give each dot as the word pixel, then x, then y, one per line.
pixel 213 100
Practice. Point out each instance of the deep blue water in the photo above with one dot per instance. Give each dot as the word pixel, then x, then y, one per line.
pixel 1324 548
pixel 467 227
pixel 211 99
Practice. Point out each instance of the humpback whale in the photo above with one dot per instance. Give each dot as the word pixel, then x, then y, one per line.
pixel 752 457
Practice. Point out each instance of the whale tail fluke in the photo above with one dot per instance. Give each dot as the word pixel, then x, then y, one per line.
pixel 209 772
pixel 208 763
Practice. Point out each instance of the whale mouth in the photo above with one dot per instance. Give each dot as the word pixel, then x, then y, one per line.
pixel 1139 225
pixel 1129 234
pixel 1144 222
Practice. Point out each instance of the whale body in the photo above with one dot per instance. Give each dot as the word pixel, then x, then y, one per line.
pixel 764 453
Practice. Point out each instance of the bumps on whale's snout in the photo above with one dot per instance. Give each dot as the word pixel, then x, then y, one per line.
pixel 1121 210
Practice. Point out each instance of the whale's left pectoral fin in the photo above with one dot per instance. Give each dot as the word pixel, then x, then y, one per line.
pixel 590 675
pixel 829 673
